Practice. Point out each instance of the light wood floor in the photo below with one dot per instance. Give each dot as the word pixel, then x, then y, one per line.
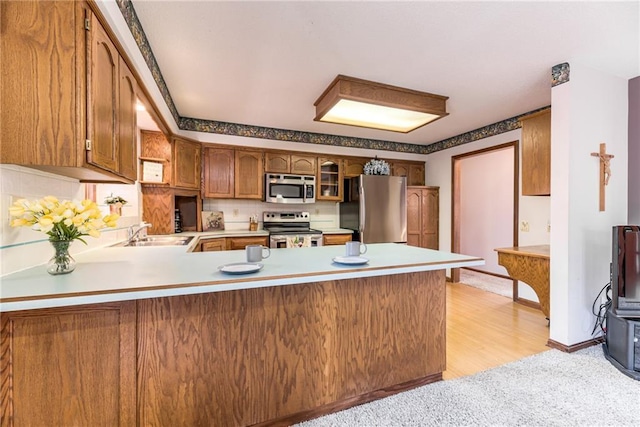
pixel 485 330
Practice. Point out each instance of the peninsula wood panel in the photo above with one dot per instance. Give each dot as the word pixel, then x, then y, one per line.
pixel 69 366
pixel 280 353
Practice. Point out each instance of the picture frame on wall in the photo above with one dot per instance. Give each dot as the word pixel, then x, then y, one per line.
pixel 212 220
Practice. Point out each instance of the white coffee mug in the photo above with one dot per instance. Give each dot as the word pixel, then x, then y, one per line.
pixel 355 248
pixel 255 253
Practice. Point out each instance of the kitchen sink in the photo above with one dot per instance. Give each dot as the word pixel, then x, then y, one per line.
pixel 158 241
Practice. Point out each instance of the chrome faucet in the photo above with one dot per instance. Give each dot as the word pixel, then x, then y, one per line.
pixel 135 235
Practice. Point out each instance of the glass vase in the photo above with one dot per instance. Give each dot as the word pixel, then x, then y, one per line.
pixel 61 262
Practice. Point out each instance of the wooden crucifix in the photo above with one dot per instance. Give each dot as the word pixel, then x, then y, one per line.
pixel 605 170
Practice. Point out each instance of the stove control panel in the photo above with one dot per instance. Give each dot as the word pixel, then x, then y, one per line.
pixel 285 217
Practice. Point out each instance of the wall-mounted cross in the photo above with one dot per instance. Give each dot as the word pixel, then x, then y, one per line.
pixel 605 170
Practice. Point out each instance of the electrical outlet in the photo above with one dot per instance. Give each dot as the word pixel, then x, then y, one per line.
pixel 524 226
pixel 317 211
pixel 235 212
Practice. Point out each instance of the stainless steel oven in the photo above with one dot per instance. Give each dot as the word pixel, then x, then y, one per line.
pixel 290 230
pixel 289 188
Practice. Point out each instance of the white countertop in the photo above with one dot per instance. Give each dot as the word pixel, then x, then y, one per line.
pixel 127 273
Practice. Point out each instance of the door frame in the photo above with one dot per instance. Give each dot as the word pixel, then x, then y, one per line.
pixel 455 202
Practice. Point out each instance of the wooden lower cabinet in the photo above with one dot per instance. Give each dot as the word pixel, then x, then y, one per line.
pixel 241 242
pixel 210 245
pixel 423 217
pixel 69 366
pixel 336 239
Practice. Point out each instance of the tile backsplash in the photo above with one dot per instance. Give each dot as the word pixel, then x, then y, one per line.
pixel 21 247
pixel 324 215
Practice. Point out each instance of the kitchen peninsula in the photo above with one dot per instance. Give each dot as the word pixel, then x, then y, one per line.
pixel 159 336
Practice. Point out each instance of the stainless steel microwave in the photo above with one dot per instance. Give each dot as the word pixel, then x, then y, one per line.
pixel 289 188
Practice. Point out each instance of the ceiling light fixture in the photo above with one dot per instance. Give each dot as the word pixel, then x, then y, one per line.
pixel 357 102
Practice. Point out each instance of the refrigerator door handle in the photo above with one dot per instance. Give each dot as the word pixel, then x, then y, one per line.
pixel 362 212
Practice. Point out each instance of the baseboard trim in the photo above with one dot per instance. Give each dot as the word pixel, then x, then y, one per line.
pixel 574 347
pixel 527 302
pixel 501 276
pixel 351 401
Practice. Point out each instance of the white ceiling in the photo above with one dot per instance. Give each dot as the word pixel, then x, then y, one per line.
pixel 265 63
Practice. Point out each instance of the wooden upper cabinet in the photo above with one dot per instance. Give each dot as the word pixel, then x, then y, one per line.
pixel 416 174
pixel 354 166
pixel 329 182
pixel 65 92
pixel 127 136
pixel 249 174
pixel 303 165
pixel 103 104
pixel 155 145
pixel 413 171
pixel 39 117
pixel 536 154
pixel 219 173
pixel 276 162
pixel 399 168
pixel 186 163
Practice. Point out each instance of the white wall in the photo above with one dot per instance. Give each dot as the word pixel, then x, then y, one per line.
pixel 534 209
pixel 589 109
pixel 486 205
pixel 22 247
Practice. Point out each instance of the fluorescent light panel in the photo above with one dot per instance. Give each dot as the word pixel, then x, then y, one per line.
pixel 363 103
pixel 361 114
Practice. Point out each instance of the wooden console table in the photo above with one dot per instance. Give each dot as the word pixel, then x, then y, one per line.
pixel 529 264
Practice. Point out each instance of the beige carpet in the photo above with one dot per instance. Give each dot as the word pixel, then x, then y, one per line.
pixel 487 282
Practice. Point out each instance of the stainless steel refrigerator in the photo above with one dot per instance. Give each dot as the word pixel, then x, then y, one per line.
pixel 375 207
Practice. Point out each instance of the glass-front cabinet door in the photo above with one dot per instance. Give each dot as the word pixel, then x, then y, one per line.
pixel 330 177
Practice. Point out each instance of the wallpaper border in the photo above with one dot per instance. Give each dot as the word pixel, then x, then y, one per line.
pixel 560 74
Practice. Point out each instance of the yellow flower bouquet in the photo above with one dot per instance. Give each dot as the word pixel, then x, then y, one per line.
pixel 64 221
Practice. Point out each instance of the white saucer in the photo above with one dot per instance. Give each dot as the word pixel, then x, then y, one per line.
pixel 241 268
pixel 351 260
